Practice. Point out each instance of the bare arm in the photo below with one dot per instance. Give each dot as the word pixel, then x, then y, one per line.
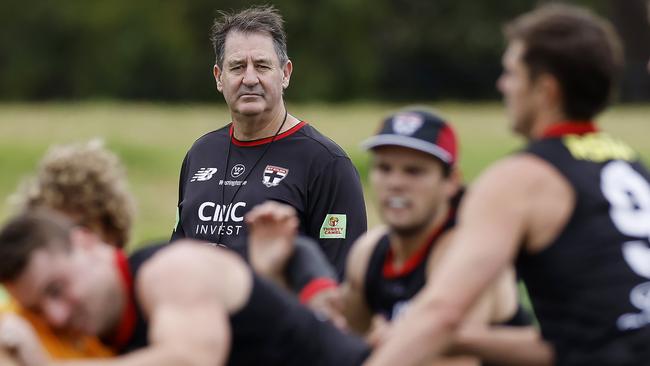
pixel 493 221
pixel 505 345
pixel 502 344
pixel 187 309
pixel 355 306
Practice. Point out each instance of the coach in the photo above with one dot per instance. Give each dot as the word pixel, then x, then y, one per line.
pixel 265 153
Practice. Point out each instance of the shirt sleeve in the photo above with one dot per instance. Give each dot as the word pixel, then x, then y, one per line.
pixel 178 231
pixel 336 213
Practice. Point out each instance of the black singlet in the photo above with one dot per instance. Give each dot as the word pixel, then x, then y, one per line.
pixel 591 287
pixel 272 329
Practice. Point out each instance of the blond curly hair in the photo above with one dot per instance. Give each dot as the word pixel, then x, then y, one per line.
pixel 86 182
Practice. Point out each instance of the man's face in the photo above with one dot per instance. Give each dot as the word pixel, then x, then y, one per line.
pixel 410 187
pixel 73 290
pixel 251 78
pixel 517 89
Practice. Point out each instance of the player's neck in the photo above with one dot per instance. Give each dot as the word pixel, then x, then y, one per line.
pixel 405 245
pixel 249 128
pixel 121 292
pixel 544 119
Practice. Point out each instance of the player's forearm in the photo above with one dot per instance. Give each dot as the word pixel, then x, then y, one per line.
pixel 422 334
pixel 505 345
pixel 6 359
pixel 156 356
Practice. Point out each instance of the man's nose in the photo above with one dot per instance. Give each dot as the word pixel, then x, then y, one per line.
pixel 250 75
pixel 57 313
pixel 499 83
pixel 395 180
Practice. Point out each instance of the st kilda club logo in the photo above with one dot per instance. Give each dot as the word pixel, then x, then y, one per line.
pixel 273 175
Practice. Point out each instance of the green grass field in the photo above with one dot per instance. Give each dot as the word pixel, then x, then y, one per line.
pixel 152 140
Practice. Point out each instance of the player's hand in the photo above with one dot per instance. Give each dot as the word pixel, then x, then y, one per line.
pixel 18 340
pixel 378 332
pixel 6 359
pixel 329 303
pixel 272 228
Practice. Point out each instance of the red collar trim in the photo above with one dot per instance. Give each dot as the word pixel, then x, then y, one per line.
pixel 266 140
pixel 126 326
pixel 418 257
pixel 569 128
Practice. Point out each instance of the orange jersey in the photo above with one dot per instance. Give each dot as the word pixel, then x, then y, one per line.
pixel 58 346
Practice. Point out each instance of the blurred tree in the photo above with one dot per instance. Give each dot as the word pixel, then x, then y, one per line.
pixel 341 49
pixel 631 18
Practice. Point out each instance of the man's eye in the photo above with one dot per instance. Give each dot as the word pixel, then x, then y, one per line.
pixel 54 290
pixel 382 168
pixel 413 171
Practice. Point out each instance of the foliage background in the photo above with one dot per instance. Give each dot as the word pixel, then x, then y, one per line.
pixel 342 50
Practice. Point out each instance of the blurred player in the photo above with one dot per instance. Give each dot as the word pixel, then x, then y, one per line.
pixel 415 178
pixel 572 209
pixel 88 184
pixel 162 303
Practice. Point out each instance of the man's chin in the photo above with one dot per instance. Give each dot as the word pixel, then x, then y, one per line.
pixel 405 229
pixel 250 109
pixel 71 332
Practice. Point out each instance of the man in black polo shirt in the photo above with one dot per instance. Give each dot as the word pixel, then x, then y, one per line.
pixel 265 153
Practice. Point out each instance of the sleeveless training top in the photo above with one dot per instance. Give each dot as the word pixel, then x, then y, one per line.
pixel 591 287
pixel 272 328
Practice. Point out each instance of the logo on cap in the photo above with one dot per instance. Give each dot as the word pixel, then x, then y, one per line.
pixel 407 123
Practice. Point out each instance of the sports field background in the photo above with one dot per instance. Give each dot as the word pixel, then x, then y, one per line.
pixel 152 139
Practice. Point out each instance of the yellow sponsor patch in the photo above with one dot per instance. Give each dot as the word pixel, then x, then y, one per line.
pixel 598 147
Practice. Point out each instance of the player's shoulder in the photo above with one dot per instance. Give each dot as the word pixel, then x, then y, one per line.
pixel 213 137
pixel 189 267
pixel 184 253
pixel 319 143
pixel 361 251
pixel 517 171
pixel 515 187
pixel 368 241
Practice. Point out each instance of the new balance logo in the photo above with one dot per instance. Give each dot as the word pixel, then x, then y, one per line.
pixel 203 174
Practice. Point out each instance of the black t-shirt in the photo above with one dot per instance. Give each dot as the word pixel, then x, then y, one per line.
pixel 222 178
pixel 272 328
pixel 591 287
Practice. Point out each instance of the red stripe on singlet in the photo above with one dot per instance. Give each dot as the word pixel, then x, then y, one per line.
pixel 126 326
pixel 569 128
pixel 389 269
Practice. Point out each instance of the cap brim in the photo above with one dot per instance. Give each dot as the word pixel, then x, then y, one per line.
pixel 407 141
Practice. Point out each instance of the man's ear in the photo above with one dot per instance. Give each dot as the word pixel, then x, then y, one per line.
pixel 286 74
pixel 216 71
pixel 454 181
pixel 549 91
